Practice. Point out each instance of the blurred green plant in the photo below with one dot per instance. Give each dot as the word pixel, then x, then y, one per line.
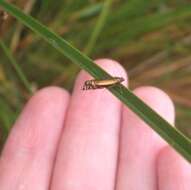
pixel 18 70
pixel 150 38
pixel 98 28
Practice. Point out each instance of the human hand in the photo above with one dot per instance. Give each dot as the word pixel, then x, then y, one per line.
pixel 89 141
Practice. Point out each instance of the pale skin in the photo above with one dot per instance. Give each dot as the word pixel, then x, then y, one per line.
pixel 90 141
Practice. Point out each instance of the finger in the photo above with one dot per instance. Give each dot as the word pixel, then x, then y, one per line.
pixel 173 171
pixel 88 150
pixel 28 156
pixel 139 144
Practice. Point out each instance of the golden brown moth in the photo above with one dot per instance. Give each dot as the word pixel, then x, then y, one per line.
pixel 97 84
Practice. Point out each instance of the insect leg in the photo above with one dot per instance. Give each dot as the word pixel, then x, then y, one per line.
pixel 89 87
pixel 84 87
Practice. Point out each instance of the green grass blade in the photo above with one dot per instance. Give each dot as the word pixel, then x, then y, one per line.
pixel 130 9
pixel 87 12
pixel 14 64
pixel 7 116
pixel 174 137
pixel 98 28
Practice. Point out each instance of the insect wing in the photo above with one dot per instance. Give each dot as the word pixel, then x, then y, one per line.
pixel 104 83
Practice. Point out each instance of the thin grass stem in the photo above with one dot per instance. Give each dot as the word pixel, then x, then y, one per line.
pixel 15 65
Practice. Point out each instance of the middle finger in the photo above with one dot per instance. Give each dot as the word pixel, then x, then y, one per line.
pixel 87 154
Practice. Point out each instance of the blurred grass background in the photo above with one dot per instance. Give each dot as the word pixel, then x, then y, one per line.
pixel 150 38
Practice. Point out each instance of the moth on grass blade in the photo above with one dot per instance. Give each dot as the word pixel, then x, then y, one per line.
pixel 97 84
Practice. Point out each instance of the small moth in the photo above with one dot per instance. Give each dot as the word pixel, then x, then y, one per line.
pixel 96 84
